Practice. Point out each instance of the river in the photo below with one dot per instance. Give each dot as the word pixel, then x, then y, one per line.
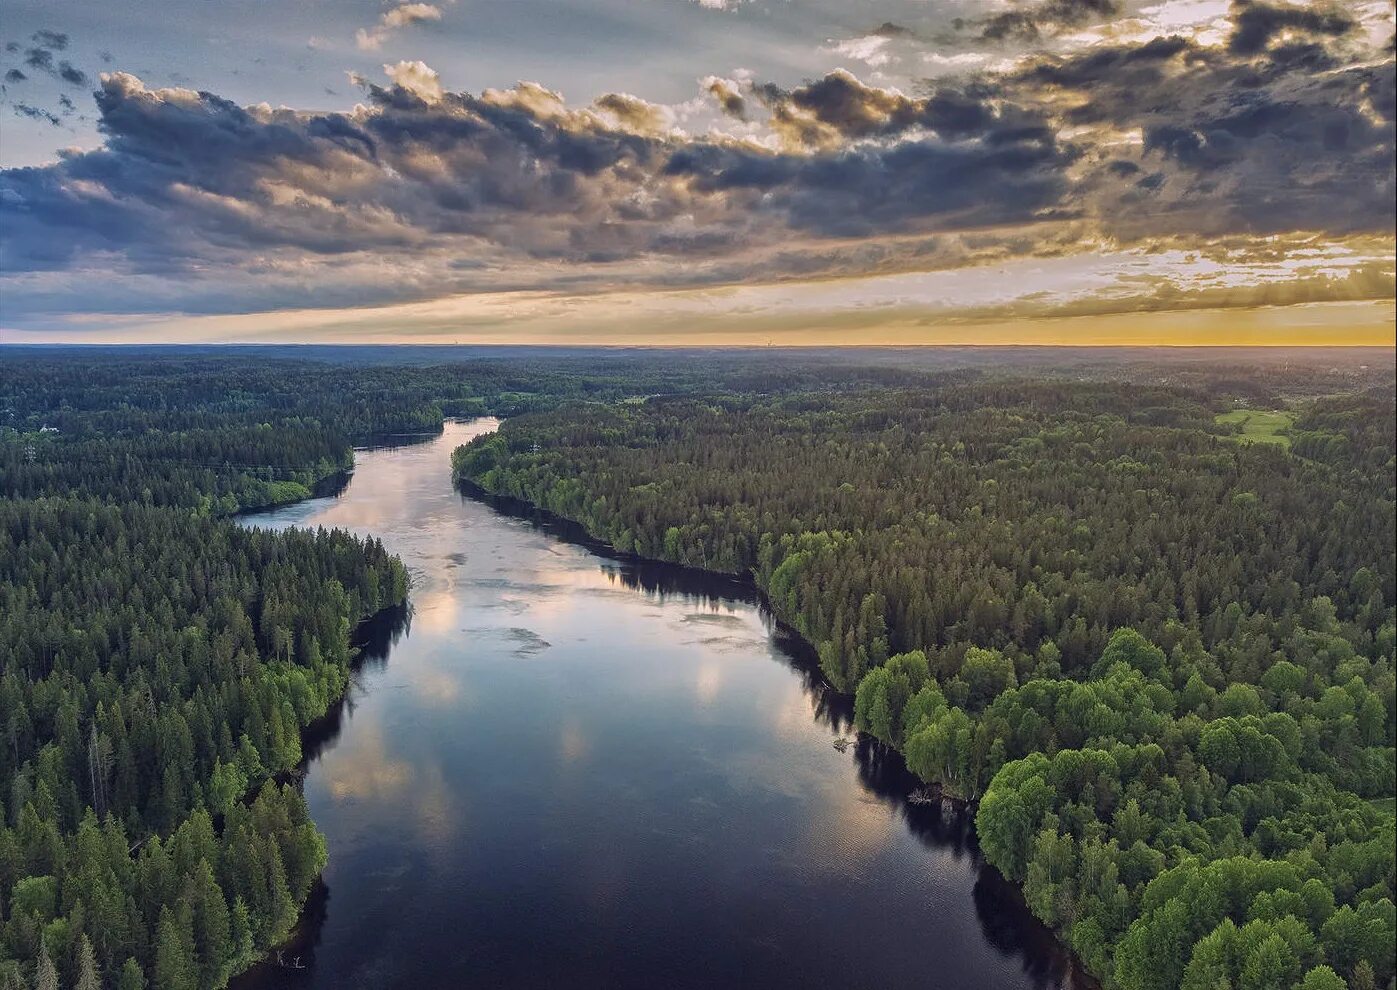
pixel 566 769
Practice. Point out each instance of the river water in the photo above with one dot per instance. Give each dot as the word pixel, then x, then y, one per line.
pixel 568 770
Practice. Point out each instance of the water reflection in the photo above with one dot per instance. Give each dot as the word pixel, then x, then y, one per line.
pixel 579 768
pixel 712 592
pixel 373 642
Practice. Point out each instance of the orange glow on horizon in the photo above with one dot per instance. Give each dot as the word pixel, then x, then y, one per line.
pixel 593 321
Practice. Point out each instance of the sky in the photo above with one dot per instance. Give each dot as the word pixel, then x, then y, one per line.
pixel 698 171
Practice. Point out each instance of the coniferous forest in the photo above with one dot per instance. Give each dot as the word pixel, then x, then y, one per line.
pixel 1154 654
pixel 158 662
pixel 1157 656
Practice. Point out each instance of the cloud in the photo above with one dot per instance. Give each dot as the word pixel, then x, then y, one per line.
pixel 1152 292
pixel 14 76
pixel 39 58
pixel 416 78
pixel 1028 23
pixel 634 114
pixel 871 49
pixel 72 75
pixel 890 30
pixel 451 186
pixel 728 95
pixel 839 107
pixel 56 40
pixel 196 203
pixel 1196 139
pixel 36 113
pixel 1257 24
pixel 401 16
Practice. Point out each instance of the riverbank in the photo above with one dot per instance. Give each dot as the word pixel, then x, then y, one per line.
pixel 577 532
pixel 369 639
pixel 921 794
pixel 630 763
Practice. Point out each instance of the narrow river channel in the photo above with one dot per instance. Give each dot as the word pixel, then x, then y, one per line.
pixel 567 770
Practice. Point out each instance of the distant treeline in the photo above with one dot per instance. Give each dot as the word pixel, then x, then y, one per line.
pixel 1161 660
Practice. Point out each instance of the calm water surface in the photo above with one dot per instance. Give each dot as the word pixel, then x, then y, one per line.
pixel 568 770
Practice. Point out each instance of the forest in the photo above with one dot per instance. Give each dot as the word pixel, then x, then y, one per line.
pixel 1157 660
pixel 159 664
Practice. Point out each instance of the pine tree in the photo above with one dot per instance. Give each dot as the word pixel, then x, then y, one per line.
pixel 211 926
pixel 131 976
pixel 88 978
pixel 45 975
pixel 242 942
pixel 174 967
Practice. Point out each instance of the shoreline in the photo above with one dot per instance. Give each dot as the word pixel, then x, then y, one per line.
pixel 1081 977
pixel 302 934
pixel 389 620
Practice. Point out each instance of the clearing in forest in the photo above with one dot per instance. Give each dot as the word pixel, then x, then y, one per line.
pixel 1260 425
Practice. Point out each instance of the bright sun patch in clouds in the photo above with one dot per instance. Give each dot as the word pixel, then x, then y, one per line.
pixel 776 172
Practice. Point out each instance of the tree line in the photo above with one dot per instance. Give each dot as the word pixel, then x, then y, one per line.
pixel 159 668
pixel 157 662
pixel 1160 661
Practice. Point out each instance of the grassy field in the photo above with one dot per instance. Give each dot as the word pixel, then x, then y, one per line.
pixel 1388 804
pixel 1260 426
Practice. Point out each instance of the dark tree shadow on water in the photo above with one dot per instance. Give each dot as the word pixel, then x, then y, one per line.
pixel 940 824
pixel 292 964
pixel 1015 933
pixel 373 642
pixel 949 826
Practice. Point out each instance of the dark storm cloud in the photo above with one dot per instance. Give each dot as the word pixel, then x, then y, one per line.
pixel 838 107
pixel 1285 140
pixel 915 185
pixel 1029 23
pixel 15 75
pixel 234 179
pixel 514 167
pixel 1256 24
pixel 39 58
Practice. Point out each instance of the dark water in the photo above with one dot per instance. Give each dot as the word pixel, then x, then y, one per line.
pixel 567 770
